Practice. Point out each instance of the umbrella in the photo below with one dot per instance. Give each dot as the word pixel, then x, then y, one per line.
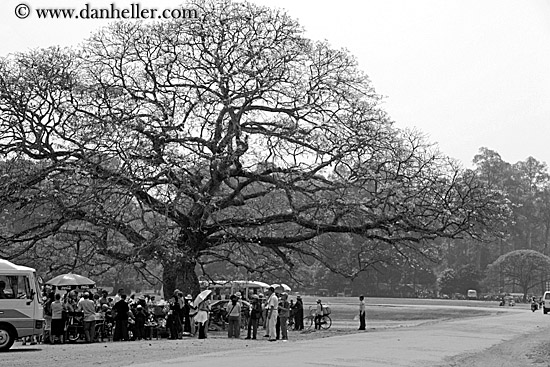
pixel 286 288
pixel 201 297
pixel 71 281
pixel 260 284
pixel 280 287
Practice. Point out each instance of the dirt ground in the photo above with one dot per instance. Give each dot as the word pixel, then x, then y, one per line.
pixel 523 351
pixel 133 352
pixel 527 350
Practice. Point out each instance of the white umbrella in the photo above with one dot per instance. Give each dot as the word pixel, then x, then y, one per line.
pixel 280 287
pixel 201 297
pixel 260 284
pixel 277 287
pixel 286 288
pixel 71 281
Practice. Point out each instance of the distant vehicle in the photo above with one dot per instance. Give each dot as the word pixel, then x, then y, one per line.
pixel 225 288
pixel 546 302
pixel 21 312
pixel 472 294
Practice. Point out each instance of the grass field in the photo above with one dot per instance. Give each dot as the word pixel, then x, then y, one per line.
pixel 387 311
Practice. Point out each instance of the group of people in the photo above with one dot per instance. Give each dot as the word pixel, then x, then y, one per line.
pixel 180 313
pixel 122 310
pixel 273 311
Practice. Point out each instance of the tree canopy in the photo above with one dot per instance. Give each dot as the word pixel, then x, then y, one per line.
pixel 230 138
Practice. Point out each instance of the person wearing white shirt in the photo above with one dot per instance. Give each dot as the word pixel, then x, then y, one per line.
pixel 87 306
pixel 272 307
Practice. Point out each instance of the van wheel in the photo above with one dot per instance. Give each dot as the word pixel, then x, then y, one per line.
pixel 544 310
pixel 7 337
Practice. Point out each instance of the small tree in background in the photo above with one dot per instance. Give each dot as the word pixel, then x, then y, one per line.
pixel 525 269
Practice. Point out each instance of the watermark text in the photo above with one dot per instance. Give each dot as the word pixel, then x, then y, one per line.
pixel 111 11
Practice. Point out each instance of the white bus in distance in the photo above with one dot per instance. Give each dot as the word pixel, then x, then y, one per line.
pixel 21 311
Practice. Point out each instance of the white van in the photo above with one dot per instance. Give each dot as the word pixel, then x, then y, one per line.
pixel 472 294
pixel 21 312
pixel 546 302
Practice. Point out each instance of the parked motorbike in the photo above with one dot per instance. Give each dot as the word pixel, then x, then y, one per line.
pixel 534 305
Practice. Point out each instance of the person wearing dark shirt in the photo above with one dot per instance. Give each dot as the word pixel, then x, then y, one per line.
pixel 173 320
pixel 140 315
pixel 121 310
pixel 188 312
pixel 2 287
pixel 255 315
pixel 298 314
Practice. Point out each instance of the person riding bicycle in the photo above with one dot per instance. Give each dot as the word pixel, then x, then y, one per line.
pixel 318 314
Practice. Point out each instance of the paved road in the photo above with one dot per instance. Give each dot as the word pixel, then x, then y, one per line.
pixel 425 345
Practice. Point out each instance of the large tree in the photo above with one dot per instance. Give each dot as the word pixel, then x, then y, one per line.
pixel 229 138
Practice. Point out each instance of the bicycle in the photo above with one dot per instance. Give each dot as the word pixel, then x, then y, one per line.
pixel 309 320
pixel 74 327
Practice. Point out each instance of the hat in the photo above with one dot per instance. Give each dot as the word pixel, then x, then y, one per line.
pixel 298 297
pixel 261 295
pixel 139 306
pixel 188 297
pixel 238 294
pixel 284 294
pixel 255 296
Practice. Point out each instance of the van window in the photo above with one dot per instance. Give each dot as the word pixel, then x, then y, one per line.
pixel 547 295
pixel 14 286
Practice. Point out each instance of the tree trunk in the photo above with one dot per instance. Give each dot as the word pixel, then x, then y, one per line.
pixel 180 275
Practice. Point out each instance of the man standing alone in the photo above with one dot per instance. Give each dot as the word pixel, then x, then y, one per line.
pixel 284 312
pixel 121 310
pixel 272 307
pixel 362 313
pixel 298 314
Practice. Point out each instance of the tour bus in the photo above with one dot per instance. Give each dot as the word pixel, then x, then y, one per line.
pixel 21 312
pixel 222 289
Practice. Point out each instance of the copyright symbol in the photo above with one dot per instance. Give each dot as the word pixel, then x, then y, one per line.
pixel 22 11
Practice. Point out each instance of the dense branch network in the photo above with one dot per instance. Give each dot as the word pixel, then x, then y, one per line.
pixel 226 138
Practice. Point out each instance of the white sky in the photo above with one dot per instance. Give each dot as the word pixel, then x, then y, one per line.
pixel 467 73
